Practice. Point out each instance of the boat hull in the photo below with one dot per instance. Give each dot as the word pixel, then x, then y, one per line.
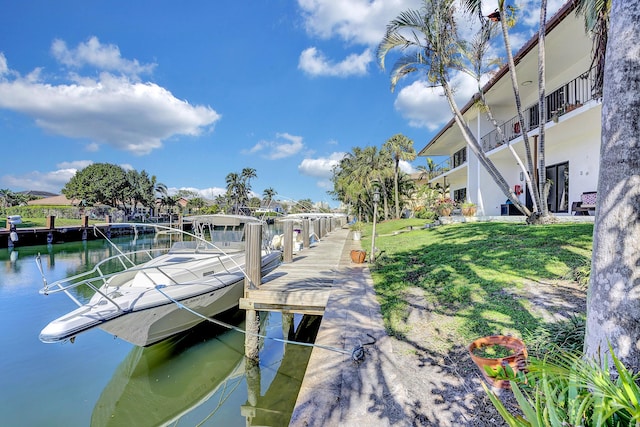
pixel 152 316
pixel 147 327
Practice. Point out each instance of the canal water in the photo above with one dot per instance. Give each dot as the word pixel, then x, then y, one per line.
pixel 198 378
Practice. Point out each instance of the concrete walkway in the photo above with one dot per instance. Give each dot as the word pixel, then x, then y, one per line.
pixel 337 391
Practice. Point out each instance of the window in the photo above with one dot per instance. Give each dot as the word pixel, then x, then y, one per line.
pixel 459 157
pixel 460 195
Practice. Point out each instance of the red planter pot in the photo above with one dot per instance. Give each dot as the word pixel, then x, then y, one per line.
pixel 358 256
pixel 515 360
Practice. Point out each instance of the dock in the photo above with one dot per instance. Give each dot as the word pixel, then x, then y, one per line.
pixel 337 390
pixel 302 286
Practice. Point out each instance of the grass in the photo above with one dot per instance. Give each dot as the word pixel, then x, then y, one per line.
pixel 466 271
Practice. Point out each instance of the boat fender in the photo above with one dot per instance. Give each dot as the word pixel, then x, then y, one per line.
pixel 49 238
pixel 13 236
pixel 84 234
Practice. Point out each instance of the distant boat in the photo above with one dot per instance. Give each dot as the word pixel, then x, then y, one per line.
pixel 139 301
pixel 14 219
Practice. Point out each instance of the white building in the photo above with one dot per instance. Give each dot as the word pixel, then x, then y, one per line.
pixel 572 129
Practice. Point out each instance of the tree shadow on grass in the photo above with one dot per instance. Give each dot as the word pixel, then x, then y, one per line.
pixel 461 282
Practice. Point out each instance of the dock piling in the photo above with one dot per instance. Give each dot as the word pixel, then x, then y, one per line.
pixel 306 240
pixel 252 280
pixel 288 241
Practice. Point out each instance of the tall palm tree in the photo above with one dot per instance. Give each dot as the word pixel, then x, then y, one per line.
pixel 429 42
pixel 401 148
pixel 356 175
pixel 505 16
pixel 433 47
pixel 613 302
pixel 246 175
pixel 234 188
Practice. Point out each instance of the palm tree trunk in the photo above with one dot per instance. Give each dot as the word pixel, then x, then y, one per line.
pixel 613 301
pixel 535 194
pixel 502 137
pixel 542 106
pixel 479 152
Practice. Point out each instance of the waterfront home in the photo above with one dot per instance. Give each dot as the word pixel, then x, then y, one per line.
pixel 572 127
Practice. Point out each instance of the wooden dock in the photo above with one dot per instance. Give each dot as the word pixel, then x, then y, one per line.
pixel 303 285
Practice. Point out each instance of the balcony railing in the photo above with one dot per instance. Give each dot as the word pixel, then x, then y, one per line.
pixel 568 97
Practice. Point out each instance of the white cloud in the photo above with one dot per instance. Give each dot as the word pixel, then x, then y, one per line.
pixel 206 193
pixel 406 167
pixel 113 110
pixel 427 107
pixel 76 164
pixel 274 150
pixel 43 181
pixel 101 56
pixel 355 21
pixel 4 69
pixel 315 63
pixel 321 167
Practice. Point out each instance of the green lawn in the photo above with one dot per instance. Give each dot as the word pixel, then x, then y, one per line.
pixel 466 270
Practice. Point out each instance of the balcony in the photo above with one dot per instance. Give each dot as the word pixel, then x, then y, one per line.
pixel 568 97
pixel 458 159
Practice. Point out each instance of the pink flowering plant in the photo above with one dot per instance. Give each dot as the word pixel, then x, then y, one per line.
pixel 445 203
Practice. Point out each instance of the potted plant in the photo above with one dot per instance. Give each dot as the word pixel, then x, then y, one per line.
pixel 445 206
pixel 491 353
pixel 468 209
pixel 358 256
pixel 356 230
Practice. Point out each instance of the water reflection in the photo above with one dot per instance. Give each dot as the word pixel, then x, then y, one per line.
pixel 202 370
pixel 100 380
pixel 158 384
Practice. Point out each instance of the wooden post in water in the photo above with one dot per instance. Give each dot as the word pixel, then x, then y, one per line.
pixel 287 325
pixel 252 368
pixel 288 242
pixel 306 241
pixel 253 233
pixel 51 222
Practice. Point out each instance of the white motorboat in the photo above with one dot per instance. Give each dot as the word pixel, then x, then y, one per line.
pixel 141 301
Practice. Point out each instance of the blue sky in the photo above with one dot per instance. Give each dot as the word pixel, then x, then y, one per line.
pixel 191 91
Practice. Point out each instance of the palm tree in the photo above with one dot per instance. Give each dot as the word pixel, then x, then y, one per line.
pixel 401 148
pixel 505 16
pixel 613 303
pixel 353 179
pixel 246 175
pixel 439 51
pixel 268 195
pixel 234 188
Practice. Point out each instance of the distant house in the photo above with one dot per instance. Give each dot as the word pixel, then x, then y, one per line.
pixel 59 200
pixel 572 126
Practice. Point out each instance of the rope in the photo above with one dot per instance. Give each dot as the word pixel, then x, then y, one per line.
pixel 357 354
